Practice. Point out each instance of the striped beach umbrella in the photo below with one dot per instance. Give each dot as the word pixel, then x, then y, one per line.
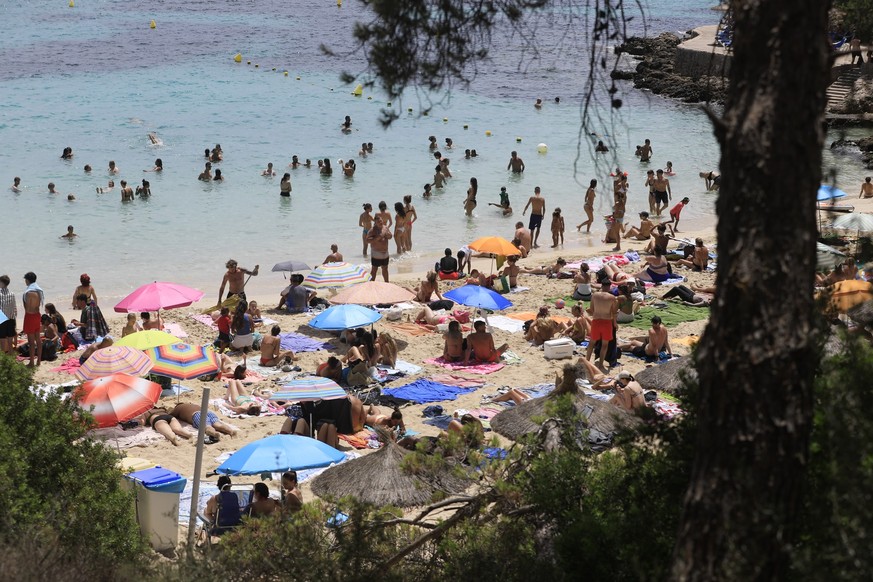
pixel 183 361
pixel 309 388
pixel 335 276
pixel 150 338
pixel 114 360
pixel 116 398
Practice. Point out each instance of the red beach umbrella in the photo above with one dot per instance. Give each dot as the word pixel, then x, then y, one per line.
pixel 117 398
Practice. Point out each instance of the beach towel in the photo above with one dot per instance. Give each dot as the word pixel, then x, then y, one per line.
pixel 518 289
pixel 662 357
pixel 401 367
pixel 506 323
pixel 205 320
pixel 116 437
pixel 176 330
pixel 667 410
pixel 253 366
pixel 673 314
pixel 687 341
pixel 300 343
pixel 174 390
pixel 409 328
pixel 69 366
pixel 267 408
pixel 510 358
pixel 472 367
pixel 459 381
pixel 441 422
pixel 424 390
pixel 359 440
pixel 526 315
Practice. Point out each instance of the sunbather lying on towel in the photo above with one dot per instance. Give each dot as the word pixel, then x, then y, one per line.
pixel 468 428
pixel 190 413
pixel 160 420
pixel 512 395
pixel 240 402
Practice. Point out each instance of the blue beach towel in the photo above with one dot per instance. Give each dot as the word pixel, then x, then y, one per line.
pixel 424 390
pixel 441 422
pixel 301 343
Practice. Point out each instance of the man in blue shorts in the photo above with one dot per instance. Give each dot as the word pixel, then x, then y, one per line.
pixel 190 413
pixel 537 205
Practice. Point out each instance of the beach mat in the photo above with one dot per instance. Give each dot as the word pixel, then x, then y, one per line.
pixel 205 320
pixel 526 315
pixel 506 323
pixel 459 381
pixel 472 367
pixel 297 342
pixel 424 390
pixel 673 314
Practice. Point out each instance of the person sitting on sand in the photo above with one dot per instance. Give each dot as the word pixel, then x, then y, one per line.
pixel 132 325
pixel 430 286
pixel 386 350
pixel 541 329
pixel 255 312
pixel 657 269
pixel 659 239
pixel 332 369
pixel 103 343
pixel 85 289
pixel 236 398
pixel 149 323
pixel 700 260
pixel 582 280
pixel 579 328
pixel 644 232
pixel 480 345
pixel 161 421
pixel 454 346
pixel 447 267
pixel 651 346
pixel 334 257
pixel 271 351
pixel 511 271
pixel 628 392
pixel 91 321
pixel 190 413
pixel 477 278
pixel 292 497
pixel 262 504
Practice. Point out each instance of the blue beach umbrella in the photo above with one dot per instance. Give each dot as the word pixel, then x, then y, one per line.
pixel 340 317
pixel 278 453
pixel 477 296
pixel 827 192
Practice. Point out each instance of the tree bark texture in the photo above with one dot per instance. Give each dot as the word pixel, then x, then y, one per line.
pixel 756 360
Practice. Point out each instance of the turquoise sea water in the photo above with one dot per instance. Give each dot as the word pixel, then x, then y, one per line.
pixel 97 79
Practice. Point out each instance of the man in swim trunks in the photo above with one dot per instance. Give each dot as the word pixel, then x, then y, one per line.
pixel 656 342
pixel 516 164
pixel 604 306
pixel 234 278
pixel 663 194
pixel 378 238
pixel 646 151
pixel 523 235
pixel 271 351
pixel 537 205
pixel 190 413
pixel 33 300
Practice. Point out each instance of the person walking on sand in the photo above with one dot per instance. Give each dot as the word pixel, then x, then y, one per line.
pixel 378 238
pixel 590 195
pixel 537 205
pixel 516 164
pixel 233 278
pixel 34 298
pixel 365 221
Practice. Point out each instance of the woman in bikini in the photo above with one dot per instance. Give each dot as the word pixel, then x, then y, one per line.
pixel 400 229
pixel 376 418
pixel 657 268
pixel 386 350
pixel 365 221
pixel 427 288
pixel 238 401
pixel 470 201
pixel 160 420
pixel 86 289
pixel 589 207
pixel 577 329
pixel 411 217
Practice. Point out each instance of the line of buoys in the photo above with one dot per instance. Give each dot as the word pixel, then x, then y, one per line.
pixel 153 24
pixel 237 58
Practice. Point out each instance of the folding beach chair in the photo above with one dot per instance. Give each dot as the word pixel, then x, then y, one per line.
pixel 210 531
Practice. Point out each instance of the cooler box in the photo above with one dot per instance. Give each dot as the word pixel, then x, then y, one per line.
pixel 559 348
pixel 133 464
pixel 156 500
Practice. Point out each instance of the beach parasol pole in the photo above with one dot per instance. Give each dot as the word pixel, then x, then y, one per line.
pixel 198 464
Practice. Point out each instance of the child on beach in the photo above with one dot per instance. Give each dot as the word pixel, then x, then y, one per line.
pixel 669 171
pixel 223 325
pixel 557 227
pixel 254 312
pixel 673 223
pixel 438 178
pixel 365 221
pixel 132 326
pixel 504 202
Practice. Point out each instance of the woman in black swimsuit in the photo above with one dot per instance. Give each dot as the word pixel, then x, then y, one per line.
pixel 167 425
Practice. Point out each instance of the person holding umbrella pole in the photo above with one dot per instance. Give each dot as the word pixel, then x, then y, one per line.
pixel 233 278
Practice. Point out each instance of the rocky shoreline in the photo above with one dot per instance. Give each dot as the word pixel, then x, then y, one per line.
pixel 655 71
pixel 864 144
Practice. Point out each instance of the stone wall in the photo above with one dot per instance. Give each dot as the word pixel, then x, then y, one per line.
pixel 695 63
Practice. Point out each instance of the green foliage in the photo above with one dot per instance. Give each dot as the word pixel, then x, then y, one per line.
pixel 58 486
pixel 837 525
pixel 857 16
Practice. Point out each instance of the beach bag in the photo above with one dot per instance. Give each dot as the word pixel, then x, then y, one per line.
pixel 50 350
pixel 68 342
pixel 504 284
pixel 358 375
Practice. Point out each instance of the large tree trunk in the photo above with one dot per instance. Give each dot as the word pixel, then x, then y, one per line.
pixel 757 358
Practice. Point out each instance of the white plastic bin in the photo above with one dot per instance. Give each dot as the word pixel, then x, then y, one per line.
pixel 157 492
pixel 559 348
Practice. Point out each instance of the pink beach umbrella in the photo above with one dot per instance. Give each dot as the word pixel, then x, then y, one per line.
pixel 158 295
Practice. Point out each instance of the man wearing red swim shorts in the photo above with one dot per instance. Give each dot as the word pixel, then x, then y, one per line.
pixel 33 300
pixel 604 306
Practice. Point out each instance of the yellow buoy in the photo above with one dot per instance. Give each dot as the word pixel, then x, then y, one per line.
pixel 488 133
pixel 339 2
pixel 517 140
pixel 237 58
pixel 466 126
pixel 152 24
pixel 298 78
pixel 248 62
pixel 286 73
pixel 257 65
pixel 409 109
pixel 445 119
pixel 542 148
pixel 359 90
pixel 72 4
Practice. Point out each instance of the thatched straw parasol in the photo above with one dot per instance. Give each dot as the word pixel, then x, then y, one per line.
pixel 666 377
pixel 862 313
pixel 378 478
pixel 600 417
